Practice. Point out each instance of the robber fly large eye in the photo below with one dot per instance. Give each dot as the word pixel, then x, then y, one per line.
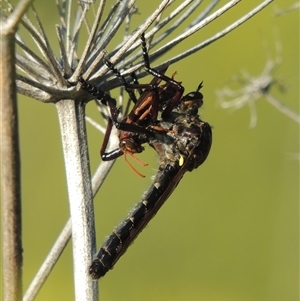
pixel 190 103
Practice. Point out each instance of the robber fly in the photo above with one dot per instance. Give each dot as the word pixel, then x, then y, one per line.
pixel 182 143
pixel 170 124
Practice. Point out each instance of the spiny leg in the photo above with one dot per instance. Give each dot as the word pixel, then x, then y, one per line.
pixel 122 79
pixel 180 89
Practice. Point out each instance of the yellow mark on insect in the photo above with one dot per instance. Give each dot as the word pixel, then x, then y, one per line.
pixel 181 160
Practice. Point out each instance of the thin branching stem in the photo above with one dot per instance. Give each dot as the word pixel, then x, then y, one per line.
pixel 47 52
pixel 195 28
pixel 186 33
pixel 42 68
pixel 220 34
pixel 133 37
pixel 282 107
pixel 194 49
pixel 91 35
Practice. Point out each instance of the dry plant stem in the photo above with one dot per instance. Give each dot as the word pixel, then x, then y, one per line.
pixel 133 37
pixel 72 126
pixel 190 31
pixel 187 32
pixel 10 173
pixel 221 33
pixel 12 258
pixel 91 35
pixel 63 239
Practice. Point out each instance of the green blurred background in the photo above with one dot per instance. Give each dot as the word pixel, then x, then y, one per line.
pixel 230 229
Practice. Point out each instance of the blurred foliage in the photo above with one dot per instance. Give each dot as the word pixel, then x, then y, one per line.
pixel 230 229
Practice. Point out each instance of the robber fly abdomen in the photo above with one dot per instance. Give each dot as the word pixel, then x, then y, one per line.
pixel 118 242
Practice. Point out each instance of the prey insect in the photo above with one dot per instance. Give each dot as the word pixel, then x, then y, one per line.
pixel 136 127
pixel 131 135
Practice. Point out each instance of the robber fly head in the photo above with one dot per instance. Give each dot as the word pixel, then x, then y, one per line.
pixel 191 102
